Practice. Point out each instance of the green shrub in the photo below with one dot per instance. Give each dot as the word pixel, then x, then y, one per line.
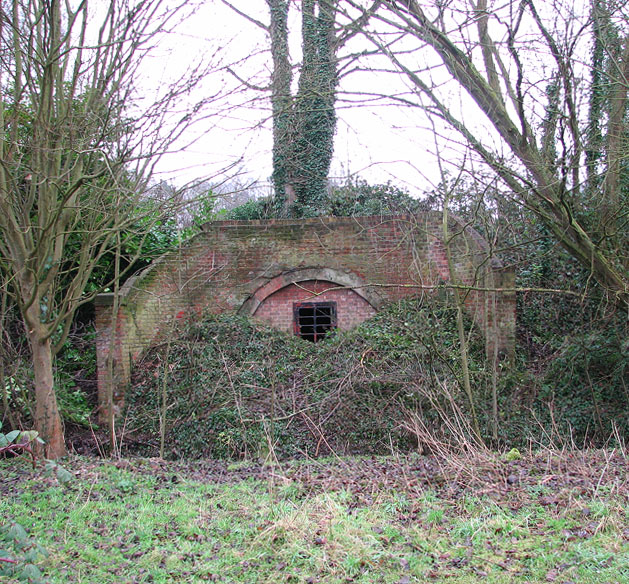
pixel 354 198
pixel 256 209
pixel 359 198
pixel 586 385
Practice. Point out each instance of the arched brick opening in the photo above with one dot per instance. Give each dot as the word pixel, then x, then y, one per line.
pixel 341 278
pixel 277 308
pixel 259 268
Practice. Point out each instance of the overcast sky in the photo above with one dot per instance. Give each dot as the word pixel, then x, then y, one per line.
pixel 376 142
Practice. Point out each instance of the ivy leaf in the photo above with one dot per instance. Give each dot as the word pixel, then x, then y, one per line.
pixel 63 476
pixel 28 436
pixel 11 436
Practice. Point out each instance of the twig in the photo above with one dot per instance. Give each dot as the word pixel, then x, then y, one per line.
pixel 18 450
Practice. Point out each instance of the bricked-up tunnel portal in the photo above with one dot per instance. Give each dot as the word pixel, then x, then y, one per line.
pixel 305 277
pixel 284 302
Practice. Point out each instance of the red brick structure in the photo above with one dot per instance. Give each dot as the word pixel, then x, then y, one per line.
pixel 276 308
pixel 267 270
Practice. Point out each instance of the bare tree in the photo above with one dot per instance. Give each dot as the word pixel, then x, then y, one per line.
pixel 523 74
pixel 77 150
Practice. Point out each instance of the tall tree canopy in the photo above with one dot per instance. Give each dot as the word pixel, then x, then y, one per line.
pixel 526 73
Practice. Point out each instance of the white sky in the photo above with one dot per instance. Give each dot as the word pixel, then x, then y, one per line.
pixel 375 140
pixel 378 143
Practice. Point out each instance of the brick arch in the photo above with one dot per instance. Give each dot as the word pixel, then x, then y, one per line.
pixel 339 278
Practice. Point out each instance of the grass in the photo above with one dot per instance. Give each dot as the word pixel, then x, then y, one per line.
pixel 129 525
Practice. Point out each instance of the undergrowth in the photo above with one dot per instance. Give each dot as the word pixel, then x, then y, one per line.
pixel 240 389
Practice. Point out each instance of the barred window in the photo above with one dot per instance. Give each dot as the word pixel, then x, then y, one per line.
pixel 313 320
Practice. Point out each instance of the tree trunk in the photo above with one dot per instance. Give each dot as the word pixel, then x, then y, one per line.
pixel 283 112
pixel 47 417
pixel 314 105
pixel 303 124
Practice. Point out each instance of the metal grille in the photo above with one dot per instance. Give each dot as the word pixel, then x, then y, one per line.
pixel 313 320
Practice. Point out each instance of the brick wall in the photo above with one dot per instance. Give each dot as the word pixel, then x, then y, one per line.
pixel 277 308
pixel 259 268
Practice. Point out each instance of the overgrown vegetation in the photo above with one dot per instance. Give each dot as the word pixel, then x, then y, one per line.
pixel 571 337
pixel 574 346
pixel 239 389
pixel 242 390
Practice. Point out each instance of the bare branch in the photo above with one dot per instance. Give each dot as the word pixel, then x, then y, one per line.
pixel 247 16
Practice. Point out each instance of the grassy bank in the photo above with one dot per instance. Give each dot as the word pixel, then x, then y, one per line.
pixel 546 518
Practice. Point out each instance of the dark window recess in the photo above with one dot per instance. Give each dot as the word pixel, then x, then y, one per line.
pixel 313 320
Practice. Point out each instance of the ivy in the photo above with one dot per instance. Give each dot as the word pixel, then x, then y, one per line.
pixel 303 124
pixel 236 386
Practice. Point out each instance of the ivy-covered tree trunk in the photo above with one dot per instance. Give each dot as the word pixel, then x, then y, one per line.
pixel 282 107
pixel 608 123
pixel 303 124
pixel 316 117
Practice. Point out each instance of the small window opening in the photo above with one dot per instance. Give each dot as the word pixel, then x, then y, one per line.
pixel 313 320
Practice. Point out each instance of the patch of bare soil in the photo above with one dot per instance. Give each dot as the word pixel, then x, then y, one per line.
pixel 548 478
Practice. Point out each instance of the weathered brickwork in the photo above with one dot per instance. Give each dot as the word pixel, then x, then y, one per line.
pixel 277 308
pixel 260 268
